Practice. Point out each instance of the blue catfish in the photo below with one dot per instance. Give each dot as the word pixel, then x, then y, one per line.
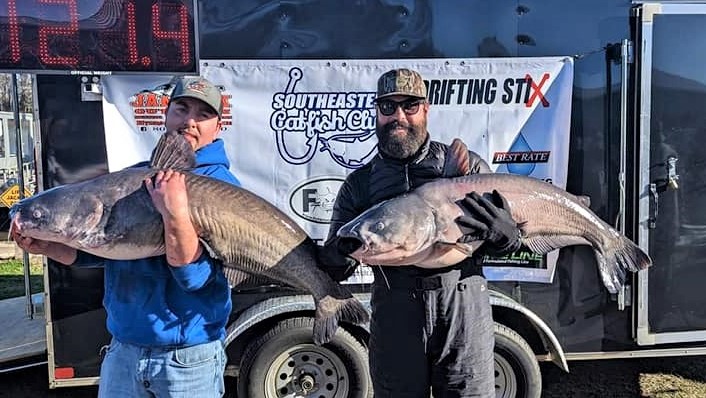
pixel 112 216
pixel 419 227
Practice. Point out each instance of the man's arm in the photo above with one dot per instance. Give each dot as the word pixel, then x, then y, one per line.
pixel 168 192
pixel 333 257
pixel 191 267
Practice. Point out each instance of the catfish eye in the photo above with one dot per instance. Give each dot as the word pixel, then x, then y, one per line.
pixel 37 214
pixel 379 226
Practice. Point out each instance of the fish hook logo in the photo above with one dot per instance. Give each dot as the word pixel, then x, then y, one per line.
pixel 340 124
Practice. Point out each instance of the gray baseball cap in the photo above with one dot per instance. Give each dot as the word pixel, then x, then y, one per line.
pixel 401 82
pixel 200 89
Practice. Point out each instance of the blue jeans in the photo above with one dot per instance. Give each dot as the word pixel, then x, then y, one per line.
pixel 186 372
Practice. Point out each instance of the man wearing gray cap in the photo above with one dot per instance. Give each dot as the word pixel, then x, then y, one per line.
pixel 431 329
pixel 167 314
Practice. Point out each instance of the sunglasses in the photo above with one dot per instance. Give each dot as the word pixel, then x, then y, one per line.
pixel 409 107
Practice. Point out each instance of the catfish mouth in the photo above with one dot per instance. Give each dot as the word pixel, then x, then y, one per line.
pixel 20 227
pixel 29 229
pixel 369 253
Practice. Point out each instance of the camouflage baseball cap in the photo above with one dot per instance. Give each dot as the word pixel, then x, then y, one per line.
pixel 401 82
pixel 200 89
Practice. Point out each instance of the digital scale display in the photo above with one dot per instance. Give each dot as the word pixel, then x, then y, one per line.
pixel 115 36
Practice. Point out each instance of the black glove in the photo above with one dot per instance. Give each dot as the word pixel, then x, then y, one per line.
pixel 488 220
pixel 335 263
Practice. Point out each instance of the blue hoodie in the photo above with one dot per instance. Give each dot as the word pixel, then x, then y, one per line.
pixel 150 303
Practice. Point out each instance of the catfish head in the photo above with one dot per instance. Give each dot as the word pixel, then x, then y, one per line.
pixel 63 214
pixel 398 231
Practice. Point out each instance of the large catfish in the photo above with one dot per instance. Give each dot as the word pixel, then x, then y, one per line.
pixel 113 216
pixel 419 228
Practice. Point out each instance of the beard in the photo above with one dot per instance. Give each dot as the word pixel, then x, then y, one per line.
pixel 400 146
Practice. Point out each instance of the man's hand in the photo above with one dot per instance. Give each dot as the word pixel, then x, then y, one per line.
pixel 30 245
pixel 488 220
pixel 168 194
pixel 334 262
pixel 56 251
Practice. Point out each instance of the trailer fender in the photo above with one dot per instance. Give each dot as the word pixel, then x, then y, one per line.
pixel 290 304
pixel 276 306
pixel 550 341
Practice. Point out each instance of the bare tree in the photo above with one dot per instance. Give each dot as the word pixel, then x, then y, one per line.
pixel 25 92
pixel 5 92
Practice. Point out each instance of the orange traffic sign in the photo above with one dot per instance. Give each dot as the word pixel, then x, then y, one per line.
pixel 12 196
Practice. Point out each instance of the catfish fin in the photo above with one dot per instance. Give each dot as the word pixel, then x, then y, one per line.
pixel 457 163
pixel 173 152
pixel 614 262
pixel 467 248
pixel 330 310
pixel 545 244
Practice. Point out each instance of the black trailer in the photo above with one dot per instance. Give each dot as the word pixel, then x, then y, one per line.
pixel 637 117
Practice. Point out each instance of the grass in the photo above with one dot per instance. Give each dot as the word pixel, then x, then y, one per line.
pixel 12 278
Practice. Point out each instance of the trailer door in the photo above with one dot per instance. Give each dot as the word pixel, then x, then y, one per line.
pixel 671 88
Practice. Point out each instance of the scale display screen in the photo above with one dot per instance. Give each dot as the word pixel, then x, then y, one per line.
pixel 114 36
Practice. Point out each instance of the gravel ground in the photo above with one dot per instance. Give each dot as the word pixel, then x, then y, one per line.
pixel 680 377
pixel 673 377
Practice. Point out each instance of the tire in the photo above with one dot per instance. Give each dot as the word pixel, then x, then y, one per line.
pixel 517 373
pixel 285 362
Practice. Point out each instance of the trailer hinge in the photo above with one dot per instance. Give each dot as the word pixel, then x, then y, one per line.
pixel 620 53
pixel 629 51
pixel 624 297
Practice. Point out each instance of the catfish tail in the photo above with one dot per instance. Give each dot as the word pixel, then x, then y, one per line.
pixel 615 262
pixel 331 310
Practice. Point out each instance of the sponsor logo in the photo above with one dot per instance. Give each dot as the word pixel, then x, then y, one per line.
pixel 338 124
pixel 313 199
pixel 149 107
pixel 521 159
pixel 486 91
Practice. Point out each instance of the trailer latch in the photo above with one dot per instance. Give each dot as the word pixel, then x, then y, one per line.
pixel 652 220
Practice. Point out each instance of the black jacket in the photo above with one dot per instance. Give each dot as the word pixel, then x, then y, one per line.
pixel 380 179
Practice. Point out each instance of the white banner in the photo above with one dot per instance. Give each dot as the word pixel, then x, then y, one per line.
pixel 295 128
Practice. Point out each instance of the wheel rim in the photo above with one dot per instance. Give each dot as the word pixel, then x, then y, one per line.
pixel 307 370
pixel 505 378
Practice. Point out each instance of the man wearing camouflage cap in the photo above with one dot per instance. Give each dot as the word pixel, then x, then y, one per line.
pixel 167 314
pixel 431 329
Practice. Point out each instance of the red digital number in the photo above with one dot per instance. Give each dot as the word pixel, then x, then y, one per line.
pixel 177 27
pixel 14 30
pixel 128 35
pixel 70 30
pixel 131 33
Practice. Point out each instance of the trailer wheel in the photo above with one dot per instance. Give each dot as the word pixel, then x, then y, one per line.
pixel 285 362
pixel 517 373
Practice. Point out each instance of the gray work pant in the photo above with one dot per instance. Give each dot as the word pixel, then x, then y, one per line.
pixel 432 333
